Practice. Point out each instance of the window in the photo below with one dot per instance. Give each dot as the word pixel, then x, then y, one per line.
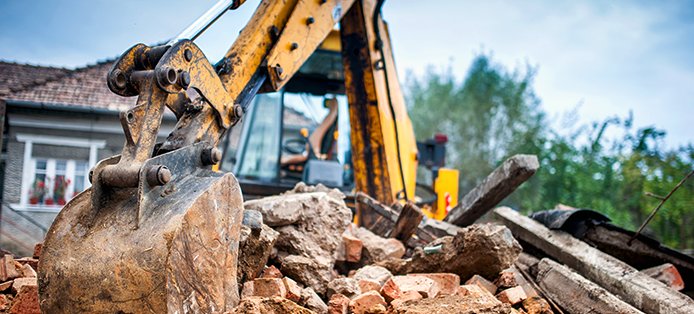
pixel 54 170
pixel 56 181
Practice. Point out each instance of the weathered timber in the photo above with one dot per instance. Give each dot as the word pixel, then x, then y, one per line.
pixel 637 289
pixel 577 294
pixel 375 216
pixel 643 252
pixel 499 184
pixel 407 223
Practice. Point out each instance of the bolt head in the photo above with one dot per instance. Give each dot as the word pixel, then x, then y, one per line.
pixel 119 79
pixel 294 46
pixel 188 55
pixel 185 79
pixel 310 20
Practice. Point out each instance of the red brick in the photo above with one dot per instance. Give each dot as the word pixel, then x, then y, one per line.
pixel 448 283
pixel 427 287
pixel 477 293
pixel 482 283
pixel 271 272
pixel 366 285
pixel 28 260
pixel 7 268
pixel 5 285
pixel 21 282
pixel 293 289
pixel 667 274
pixel 338 304
pixel 353 248
pixel 367 303
pixel 390 290
pixel 269 287
pixel 37 250
pixel 26 301
pixel 512 295
pixel 404 297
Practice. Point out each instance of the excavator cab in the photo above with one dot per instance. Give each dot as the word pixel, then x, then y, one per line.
pixel 301 133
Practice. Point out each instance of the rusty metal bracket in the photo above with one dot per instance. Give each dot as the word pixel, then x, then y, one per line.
pixel 185 66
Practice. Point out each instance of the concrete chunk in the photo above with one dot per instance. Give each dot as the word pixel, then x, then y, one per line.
pixel 483 249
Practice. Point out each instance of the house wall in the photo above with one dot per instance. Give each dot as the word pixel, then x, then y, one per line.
pixel 21 226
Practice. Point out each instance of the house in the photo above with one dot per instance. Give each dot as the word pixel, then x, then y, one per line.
pixel 58 123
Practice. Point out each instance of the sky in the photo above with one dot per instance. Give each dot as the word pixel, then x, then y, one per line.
pixel 600 58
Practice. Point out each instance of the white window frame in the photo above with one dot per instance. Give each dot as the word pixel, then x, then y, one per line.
pixel 29 164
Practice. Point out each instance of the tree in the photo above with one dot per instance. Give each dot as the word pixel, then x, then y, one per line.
pixel 490 115
pixel 493 114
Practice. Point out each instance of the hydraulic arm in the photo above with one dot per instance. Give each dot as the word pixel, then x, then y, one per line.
pixel 158 230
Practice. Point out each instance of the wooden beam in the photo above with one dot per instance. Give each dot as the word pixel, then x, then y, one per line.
pixel 497 186
pixel 577 294
pixel 407 223
pixel 637 289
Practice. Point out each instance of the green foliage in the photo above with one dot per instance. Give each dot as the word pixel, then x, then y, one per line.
pixel 493 114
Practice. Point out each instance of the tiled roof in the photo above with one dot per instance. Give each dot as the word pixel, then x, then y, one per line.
pixel 82 87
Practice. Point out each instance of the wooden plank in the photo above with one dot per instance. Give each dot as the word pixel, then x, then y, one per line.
pixel 407 223
pixel 577 294
pixel 375 216
pixel 497 186
pixel 637 289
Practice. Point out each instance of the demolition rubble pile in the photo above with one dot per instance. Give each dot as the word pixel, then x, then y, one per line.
pixel 307 257
pixel 18 287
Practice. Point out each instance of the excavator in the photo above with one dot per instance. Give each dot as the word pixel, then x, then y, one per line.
pixel 158 230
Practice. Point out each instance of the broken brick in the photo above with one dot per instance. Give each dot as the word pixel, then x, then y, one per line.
pixel 476 292
pixel 427 287
pixel 482 283
pixel 293 289
pixel 667 274
pixel 366 303
pixel 271 272
pixel 269 287
pixel 5 285
pixel 21 282
pixel 353 248
pixel 366 285
pixel 28 271
pixel 26 301
pixel 390 290
pixel 448 283
pixel 7 268
pixel 512 295
pixel 338 304
pixel 404 297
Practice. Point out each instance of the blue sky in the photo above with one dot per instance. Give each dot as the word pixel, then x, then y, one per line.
pixel 609 57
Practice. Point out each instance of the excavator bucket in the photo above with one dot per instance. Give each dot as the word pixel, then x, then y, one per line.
pixel 168 249
pixel 158 231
